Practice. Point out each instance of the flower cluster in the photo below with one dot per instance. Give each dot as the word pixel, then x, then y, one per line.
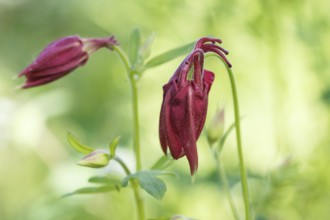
pixel 185 101
pixel 185 97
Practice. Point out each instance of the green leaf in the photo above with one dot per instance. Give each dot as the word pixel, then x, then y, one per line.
pixel 74 142
pixel 162 163
pixel 145 49
pixel 108 180
pixel 150 182
pixel 169 55
pixel 92 190
pixel 135 43
pixel 113 146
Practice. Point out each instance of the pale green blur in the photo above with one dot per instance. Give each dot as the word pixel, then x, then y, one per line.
pixel 279 51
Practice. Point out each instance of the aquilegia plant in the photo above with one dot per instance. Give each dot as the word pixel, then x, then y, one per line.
pixel 182 116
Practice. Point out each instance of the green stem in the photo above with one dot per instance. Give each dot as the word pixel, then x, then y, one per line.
pixel 135 186
pixel 123 57
pixel 136 140
pixel 133 84
pixel 138 200
pixel 244 181
pixel 123 165
pixel 136 130
pixel 245 188
pixel 222 173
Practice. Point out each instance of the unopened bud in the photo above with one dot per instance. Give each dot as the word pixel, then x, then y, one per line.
pixel 216 128
pixel 62 57
pixel 96 159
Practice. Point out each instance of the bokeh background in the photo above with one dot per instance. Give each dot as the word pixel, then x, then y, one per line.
pixel 279 51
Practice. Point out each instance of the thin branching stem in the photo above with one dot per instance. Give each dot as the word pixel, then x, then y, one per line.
pixel 123 165
pixel 136 129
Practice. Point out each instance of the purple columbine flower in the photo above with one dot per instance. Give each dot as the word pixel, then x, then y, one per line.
pixel 185 101
pixel 62 57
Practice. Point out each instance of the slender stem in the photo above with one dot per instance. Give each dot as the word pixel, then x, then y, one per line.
pixel 136 130
pixel 138 200
pixel 135 186
pixel 136 140
pixel 222 173
pixel 123 165
pixel 133 85
pixel 123 57
pixel 244 181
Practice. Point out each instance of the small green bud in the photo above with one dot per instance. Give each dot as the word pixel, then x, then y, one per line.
pixel 216 128
pixel 96 159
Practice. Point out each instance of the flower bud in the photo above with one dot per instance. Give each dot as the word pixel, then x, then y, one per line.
pixel 185 102
pixel 216 128
pixel 62 57
pixel 96 159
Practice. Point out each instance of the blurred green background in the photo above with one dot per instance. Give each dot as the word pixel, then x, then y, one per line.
pixel 279 51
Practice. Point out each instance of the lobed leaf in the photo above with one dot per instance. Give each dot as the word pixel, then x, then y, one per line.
pixel 150 182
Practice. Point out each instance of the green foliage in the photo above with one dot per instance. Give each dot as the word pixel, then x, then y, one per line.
pixel 139 51
pixel 150 182
pixel 113 146
pixel 92 190
pixel 74 142
pixel 135 43
pixel 145 48
pixel 162 163
pixel 108 183
pixel 107 179
pixel 169 55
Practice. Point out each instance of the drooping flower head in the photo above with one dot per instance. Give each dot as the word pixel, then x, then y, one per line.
pixel 185 101
pixel 62 57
